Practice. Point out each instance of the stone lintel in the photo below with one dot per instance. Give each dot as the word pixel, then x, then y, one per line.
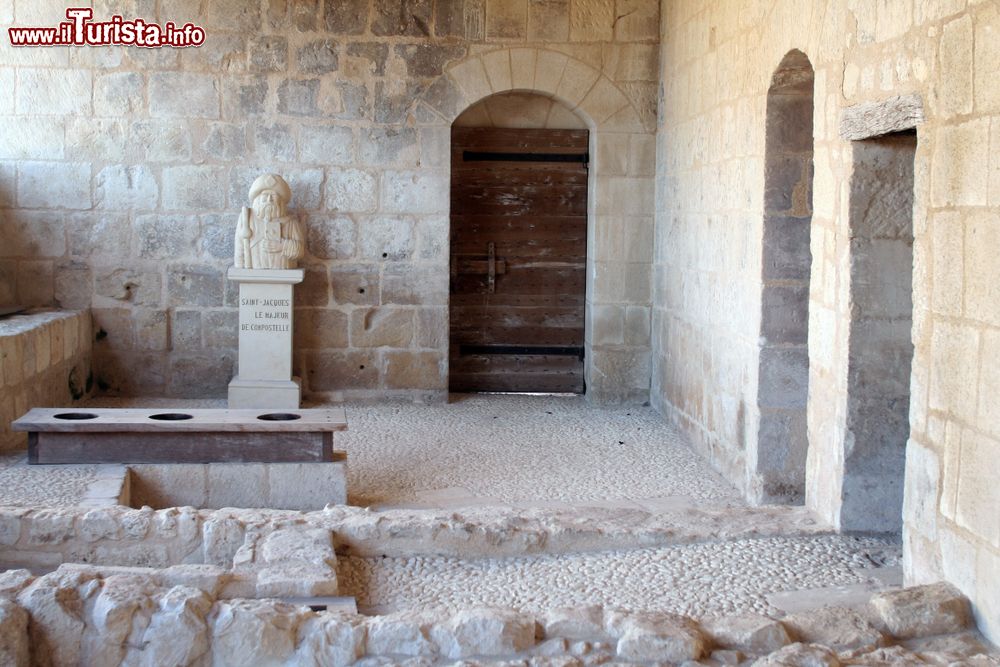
pixel 875 119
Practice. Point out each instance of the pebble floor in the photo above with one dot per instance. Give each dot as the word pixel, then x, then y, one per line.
pixel 520 450
pixel 49 486
pixel 699 580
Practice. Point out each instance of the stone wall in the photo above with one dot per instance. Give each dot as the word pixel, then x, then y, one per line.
pixel 45 359
pixel 122 178
pixel 927 65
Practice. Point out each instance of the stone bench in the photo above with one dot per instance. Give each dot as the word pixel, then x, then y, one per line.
pixel 110 435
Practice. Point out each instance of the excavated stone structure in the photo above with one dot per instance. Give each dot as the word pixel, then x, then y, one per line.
pixel 792 223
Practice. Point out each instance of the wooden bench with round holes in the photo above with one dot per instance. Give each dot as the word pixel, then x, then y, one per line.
pixel 131 435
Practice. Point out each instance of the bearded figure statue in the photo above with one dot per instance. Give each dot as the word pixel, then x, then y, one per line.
pixel 266 236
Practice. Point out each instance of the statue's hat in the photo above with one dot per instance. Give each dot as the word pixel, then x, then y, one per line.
pixel 271 182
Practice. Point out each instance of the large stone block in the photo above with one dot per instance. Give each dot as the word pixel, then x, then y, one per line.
pixel 53 185
pixel 274 142
pixel 414 192
pixel 225 141
pixel 268 54
pixel 548 20
pixel 954 360
pixel 46 92
pixel 318 57
pixel 194 285
pixel 163 140
pixel 346 17
pixel 592 21
pixel 957 173
pixel 389 146
pixel 784 378
pixel 387 238
pixel 411 18
pixel 119 93
pixel 194 188
pixel 381 327
pixel 355 284
pixel 485 632
pixel 298 97
pixel 351 190
pixel 321 328
pixel 121 187
pixel 978 494
pixel 407 285
pixel 32 137
pixel 166 236
pixel 185 94
pixel 331 237
pixel 923 611
pixel 326 144
pixel 415 370
pixel 954 90
pixel 338 371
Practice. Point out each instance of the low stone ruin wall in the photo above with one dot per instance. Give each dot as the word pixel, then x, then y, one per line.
pixel 45 362
pixel 77 616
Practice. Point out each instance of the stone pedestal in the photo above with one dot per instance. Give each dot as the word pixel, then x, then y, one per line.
pixel 264 376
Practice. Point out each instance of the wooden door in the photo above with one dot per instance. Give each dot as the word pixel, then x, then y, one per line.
pixel 518 259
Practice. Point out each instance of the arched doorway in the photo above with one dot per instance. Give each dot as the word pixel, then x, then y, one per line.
pixel 782 440
pixel 519 190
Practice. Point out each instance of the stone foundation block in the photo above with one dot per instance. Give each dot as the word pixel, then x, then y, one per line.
pixel 922 611
pixel 13 635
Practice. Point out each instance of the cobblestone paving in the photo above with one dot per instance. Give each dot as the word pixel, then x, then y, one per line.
pixel 700 580
pixel 22 485
pixel 520 449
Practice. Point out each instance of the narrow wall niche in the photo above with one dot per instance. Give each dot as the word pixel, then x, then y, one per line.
pixel 880 348
pixel 784 357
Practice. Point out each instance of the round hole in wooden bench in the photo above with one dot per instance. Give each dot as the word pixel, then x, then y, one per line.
pixel 171 416
pixel 279 417
pixel 75 415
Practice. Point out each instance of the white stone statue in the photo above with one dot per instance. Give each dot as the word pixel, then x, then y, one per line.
pixel 266 236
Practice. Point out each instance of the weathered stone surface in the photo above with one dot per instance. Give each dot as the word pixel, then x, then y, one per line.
pixel 800 655
pixel 584 623
pixel 53 185
pixel 405 633
pixel 13 582
pixel 346 17
pixel 14 650
pixel 298 97
pixel 268 54
pixel 200 99
pixel 750 633
pixel 402 17
pixel 922 611
pixel 427 60
pixel 840 628
pixel 43 91
pixel 222 539
pixel 351 190
pixel 318 57
pixel 484 632
pixel 330 640
pixel 126 187
pixel 257 632
pixel 331 238
pixel 177 633
pixel 650 637
pixel 117 93
pixel 56 627
pixel 387 238
pixel 326 144
pixel 381 327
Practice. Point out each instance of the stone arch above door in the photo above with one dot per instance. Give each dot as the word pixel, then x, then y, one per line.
pixel 580 87
pixel 620 210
